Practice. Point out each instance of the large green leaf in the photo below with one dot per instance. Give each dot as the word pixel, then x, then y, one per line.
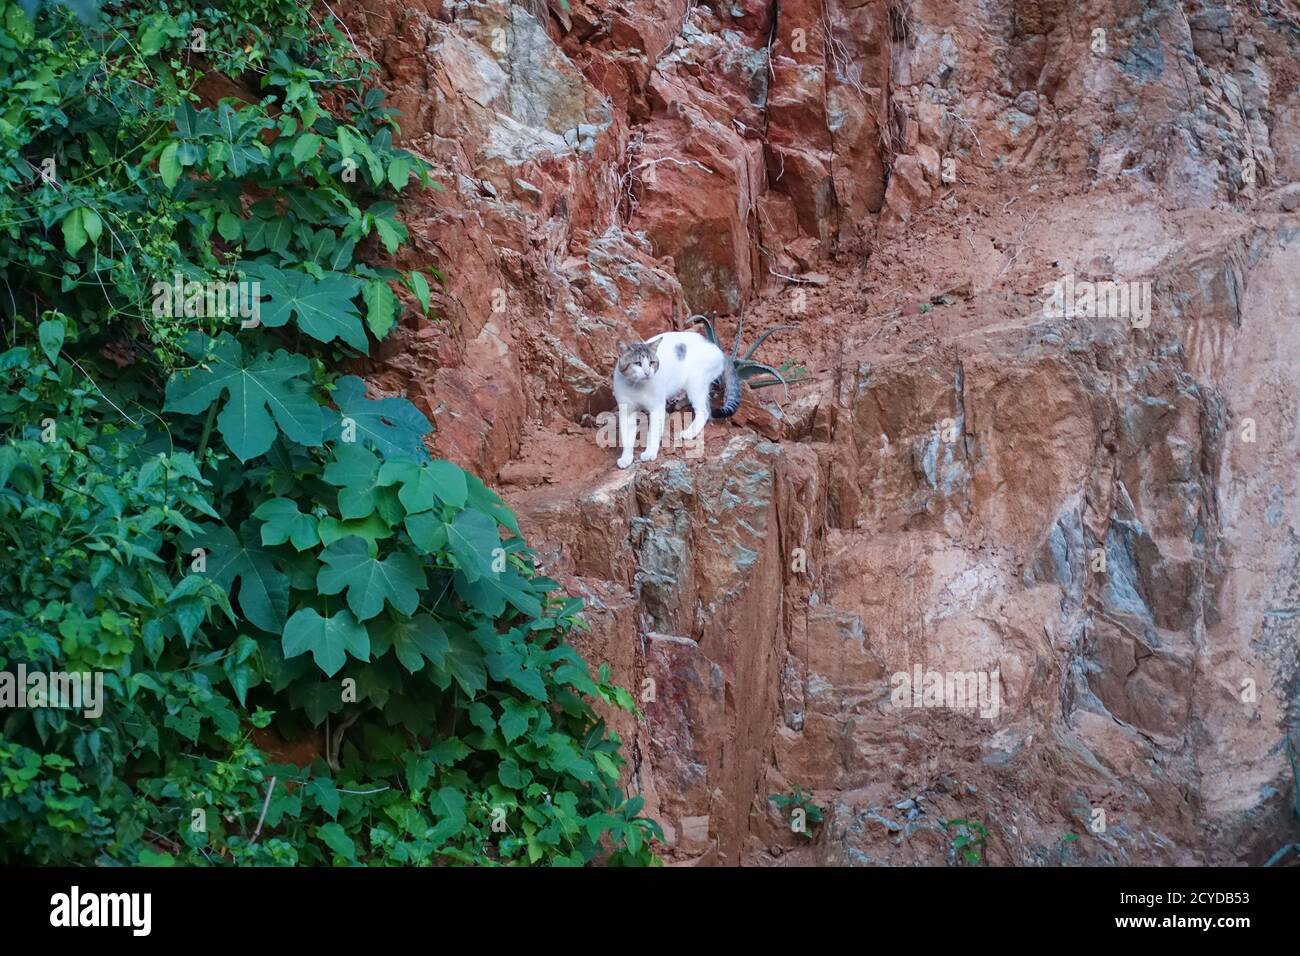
pixel 428 532
pixel 446 752
pixel 449 804
pixel 271 233
pixel 507 662
pixel 491 593
pixel 264 393
pixel 372 528
pixel 190 123
pixel 424 486
pixel 355 471
pixel 326 794
pixel 306 147
pixel 284 522
pixel 511 775
pixel 263 589
pixel 369 581
pixel 391 232
pixel 515 716
pixel 474 540
pixel 337 839
pixel 381 307
pixel 485 499
pixel 464 662
pixel 169 167
pixel 330 639
pixel 418 284
pixel 51 335
pixel 391 426
pixel 412 639
pixel 238 670
pixel 324 308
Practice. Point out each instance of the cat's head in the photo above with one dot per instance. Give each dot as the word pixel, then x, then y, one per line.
pixel 637 361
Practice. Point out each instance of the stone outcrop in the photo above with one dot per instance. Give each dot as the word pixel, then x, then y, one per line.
pixel 1099 509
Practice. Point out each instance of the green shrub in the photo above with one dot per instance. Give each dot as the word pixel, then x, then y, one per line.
pixel 803 813
pixel 194 504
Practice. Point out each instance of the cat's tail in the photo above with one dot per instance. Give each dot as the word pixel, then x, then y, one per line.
pixel 730 390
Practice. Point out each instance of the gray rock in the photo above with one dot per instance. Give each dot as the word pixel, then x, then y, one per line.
pixel 1027 102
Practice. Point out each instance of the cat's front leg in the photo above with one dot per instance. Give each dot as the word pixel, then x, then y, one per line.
pixel 656 434
pixel 627 433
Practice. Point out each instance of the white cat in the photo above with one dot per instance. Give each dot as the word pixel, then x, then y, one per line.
pixel 649 374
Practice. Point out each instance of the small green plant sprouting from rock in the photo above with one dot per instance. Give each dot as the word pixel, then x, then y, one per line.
pixel 1063 846
pixel 790 370
pixel 609 692
pixel 971 841
pixel 747 369
pixel 801 812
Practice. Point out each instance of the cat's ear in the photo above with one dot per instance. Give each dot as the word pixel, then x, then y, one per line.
pixel 621 346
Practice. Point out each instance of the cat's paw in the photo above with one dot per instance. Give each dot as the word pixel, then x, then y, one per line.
pixel 649 455
pixel 625 461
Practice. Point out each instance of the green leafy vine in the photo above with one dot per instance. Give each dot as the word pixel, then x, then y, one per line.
pixel 196 203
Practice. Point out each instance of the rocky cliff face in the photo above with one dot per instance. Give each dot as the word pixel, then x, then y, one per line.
pixel 1092 507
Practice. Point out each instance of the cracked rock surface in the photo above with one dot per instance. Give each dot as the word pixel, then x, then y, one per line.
pixel 1102 509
